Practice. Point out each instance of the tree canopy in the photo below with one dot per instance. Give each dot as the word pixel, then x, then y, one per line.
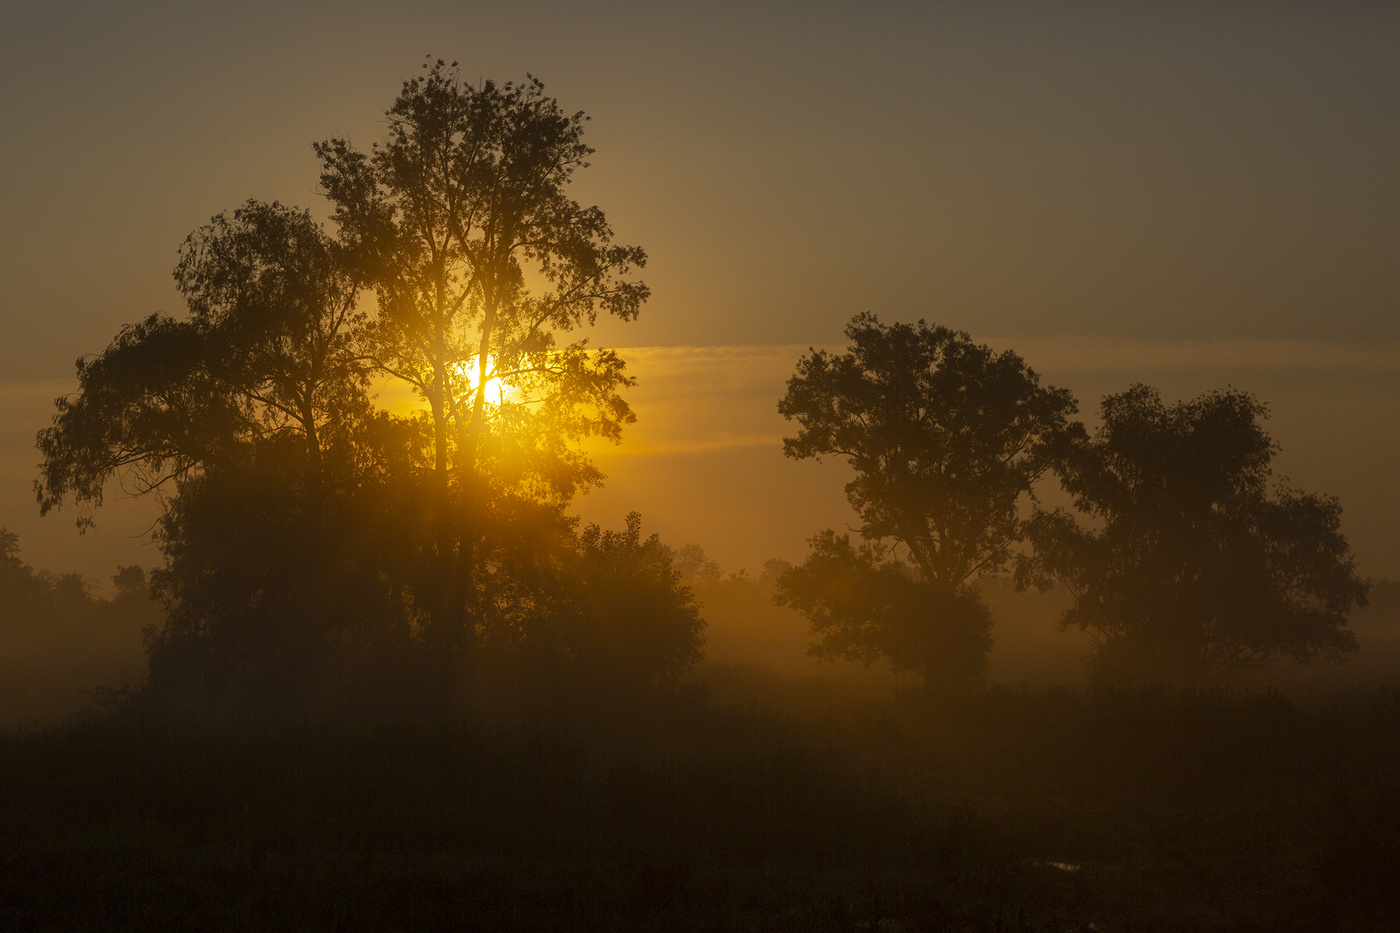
pixel 461 222
pixel 945 437
pixel 1192 567
pixel 266 356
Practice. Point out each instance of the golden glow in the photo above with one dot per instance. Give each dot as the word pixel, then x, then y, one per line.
pixel 497 391
pixel 401 398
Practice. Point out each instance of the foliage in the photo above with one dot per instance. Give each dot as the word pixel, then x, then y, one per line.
pixel 266 354
pixel 269 291
pixel 266 607
pixel 30 598
pixel 461 222
pixel 945 437
pixel 635 619
pixel 319 549
pixel 1192 568
pixel 146 410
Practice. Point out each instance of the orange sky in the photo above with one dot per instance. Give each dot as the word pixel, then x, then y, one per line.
pixel 1189 195
pixel 704 462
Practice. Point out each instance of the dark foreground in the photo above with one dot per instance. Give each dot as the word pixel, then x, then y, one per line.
pixel 804 811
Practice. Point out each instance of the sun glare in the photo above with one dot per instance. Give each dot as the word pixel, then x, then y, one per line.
pixel 402 399
pixel 497 391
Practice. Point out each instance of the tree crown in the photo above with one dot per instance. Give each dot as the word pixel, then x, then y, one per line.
pixel 944 436
pixel 1194 568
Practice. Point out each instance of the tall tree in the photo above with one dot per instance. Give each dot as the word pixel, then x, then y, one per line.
pixel 461 221
pixel 945 437
pixel 1191 568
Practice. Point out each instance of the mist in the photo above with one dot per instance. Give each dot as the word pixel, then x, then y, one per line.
pixel 66 651
pixel 905 468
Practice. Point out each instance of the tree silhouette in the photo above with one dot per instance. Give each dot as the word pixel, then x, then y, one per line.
pixel 945 436
pixel 268 289
pixel 1192 570
pixel 313 542
pixel 631 620
pixel 265 358
pixel 147 410
pixel 461 222
pixel 60 641
pixel 251 417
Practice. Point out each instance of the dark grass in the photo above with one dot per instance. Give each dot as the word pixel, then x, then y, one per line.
pixel 1038 811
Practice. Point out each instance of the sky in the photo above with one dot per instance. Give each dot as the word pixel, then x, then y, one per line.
pixel 1188 195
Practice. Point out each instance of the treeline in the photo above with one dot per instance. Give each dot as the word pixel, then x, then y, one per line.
pixel 62 648
pixel 437 699
pixel 1186 561
pixel 323 552
pixel 66 649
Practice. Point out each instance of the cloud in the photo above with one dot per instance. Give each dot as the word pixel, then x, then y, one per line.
pixel 706 397
pixel 1138 356
pixel 691 398
pixel 708 423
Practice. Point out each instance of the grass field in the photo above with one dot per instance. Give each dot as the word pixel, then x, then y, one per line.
pixel 793 809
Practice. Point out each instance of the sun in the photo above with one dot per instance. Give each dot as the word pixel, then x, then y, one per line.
pixel 403 399
pixel 497 390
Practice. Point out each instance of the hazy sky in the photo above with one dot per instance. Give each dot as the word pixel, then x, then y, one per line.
pixel 1186 194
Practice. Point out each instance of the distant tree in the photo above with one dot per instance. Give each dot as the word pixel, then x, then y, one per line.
pixel 945 437
pixel 60 642
pixel 696 566
pixel 21 590
pixel 1192 569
